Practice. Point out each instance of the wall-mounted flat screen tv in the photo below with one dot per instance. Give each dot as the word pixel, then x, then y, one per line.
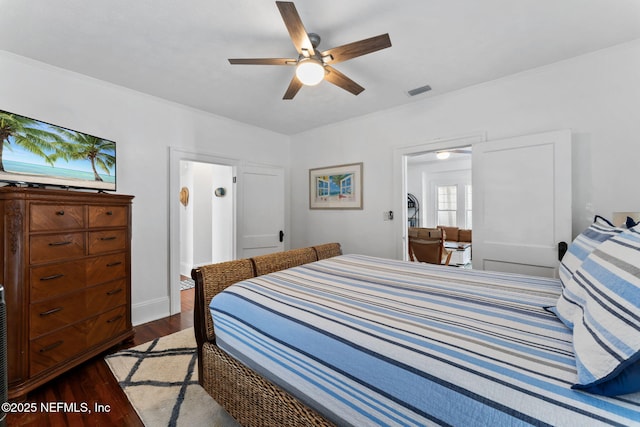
pixel 36 153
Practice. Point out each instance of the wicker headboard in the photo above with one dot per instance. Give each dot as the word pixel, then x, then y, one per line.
pixel 213 278
pixel 265 264
pixel 328 250
pixel 210 280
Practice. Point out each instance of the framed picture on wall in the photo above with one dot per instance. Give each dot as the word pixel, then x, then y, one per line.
pixel 336 187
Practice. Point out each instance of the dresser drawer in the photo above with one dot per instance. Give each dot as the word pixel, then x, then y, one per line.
pixel 107 241
pixel 52 247
pixel 106 268
pixel 106 325
pixel 52 314
pixel 45 217
pixel 108 216
pixel 107 296
pixel 56 279
pixel 57 347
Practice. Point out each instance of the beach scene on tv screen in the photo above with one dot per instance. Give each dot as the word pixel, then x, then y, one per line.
pixel 35 152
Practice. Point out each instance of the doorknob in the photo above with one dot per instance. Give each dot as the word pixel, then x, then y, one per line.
pixel 281 236
pixel 562 249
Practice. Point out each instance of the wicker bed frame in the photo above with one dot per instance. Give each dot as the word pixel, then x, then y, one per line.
pixel 248 397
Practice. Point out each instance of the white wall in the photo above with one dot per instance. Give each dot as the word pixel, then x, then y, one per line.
pixel 202 212
pixel 596 95
pixel 222 214
pixel 144 128
pixel 186 221
pixel 207 222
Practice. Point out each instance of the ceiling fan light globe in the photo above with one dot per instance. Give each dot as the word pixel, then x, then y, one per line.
pixel 310 71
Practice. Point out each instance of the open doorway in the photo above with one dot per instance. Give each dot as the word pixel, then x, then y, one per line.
pixel 179 159
pixel 439 197
pixel 402 158
pixel 206 219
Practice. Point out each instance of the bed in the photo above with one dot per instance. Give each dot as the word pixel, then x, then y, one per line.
pixel 359 340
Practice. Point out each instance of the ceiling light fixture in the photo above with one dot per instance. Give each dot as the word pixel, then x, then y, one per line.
pixel 443 155
pixel 310 71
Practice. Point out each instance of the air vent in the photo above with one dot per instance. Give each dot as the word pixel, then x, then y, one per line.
pixel 419 90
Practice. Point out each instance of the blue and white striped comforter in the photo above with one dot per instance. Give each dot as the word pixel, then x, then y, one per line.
pixel 371 341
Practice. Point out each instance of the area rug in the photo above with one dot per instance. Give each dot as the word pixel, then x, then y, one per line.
pixel 160 379
pixel 187 284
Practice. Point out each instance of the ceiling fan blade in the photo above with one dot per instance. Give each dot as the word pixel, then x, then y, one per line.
pixel 264 61
pixel 295 27
pixel 355 49
pixel 294 87
pixel 337 78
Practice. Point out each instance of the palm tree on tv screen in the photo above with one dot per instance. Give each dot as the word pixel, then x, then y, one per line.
pixel 79 146
pixel 25 132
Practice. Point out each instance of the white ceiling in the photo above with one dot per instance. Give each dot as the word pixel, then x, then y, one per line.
pixel 178 50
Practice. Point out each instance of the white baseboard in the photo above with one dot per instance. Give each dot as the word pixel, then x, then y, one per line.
pixel 148 311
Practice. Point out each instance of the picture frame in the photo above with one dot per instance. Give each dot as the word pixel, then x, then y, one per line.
pixel 336 187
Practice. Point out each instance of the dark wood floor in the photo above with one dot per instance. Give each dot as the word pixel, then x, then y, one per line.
pixel 92 382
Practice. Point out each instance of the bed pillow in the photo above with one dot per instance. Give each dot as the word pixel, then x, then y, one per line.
pixel 606 322
pixel 627 381
pixel 598 232
pixel 572 297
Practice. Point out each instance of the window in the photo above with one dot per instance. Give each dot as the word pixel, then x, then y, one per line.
pixel 447 205
pixel 345 185
pixel 322 187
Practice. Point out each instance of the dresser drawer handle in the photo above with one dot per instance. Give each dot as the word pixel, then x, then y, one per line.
pixel 115 319
pixel 53 310
pixel 53 276
pixel 113 264
pixel 60 243
pixel 109 238
pixel 114 291
pixel 109 213
pixel 60 213
pixel 51 346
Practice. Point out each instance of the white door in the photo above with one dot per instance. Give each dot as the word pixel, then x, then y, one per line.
pixel 521 202
pixel 261 220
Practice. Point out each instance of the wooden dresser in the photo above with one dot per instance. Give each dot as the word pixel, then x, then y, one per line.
pixel 66 264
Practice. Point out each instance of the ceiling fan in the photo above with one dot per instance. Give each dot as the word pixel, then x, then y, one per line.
pixel 313 66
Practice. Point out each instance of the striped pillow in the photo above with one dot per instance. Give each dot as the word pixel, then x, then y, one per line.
pixel 598 232
pixel 606 332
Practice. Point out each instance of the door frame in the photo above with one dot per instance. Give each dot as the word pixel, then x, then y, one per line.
pixel 175 156
pixel 400 156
